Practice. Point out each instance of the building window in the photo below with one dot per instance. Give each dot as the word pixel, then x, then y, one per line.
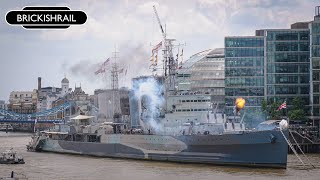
pixel 286 36
pixel 304 36
pixel 316 88
pixel 315 99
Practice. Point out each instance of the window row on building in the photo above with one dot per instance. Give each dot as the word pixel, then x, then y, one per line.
pixel 288 68
pixel 287 79
pixel 256 71
pixel 244 52
pixel 289 35
pixel 244 62
pixel 208 83
pixel 288 89
pixel 245 42
pixel 195 100
pixel 288 57
pixel 244 81
pixel 287 46
pixel 184 110
pixel 255 91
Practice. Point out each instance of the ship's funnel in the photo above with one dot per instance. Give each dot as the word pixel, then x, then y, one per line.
pixel 240 103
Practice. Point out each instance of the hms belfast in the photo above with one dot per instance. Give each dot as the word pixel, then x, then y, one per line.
pixel 176 126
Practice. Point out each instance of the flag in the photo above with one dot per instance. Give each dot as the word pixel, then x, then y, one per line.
pixel 157 47
pixel 152 58
pixel 97 72
pixel 100 70
pixel 106 62
pixel 156 60
pixel 177 60
pixel 282 106
pixel 181 56
pixel 180 65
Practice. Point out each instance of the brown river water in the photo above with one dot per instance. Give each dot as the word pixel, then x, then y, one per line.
pixel 47 166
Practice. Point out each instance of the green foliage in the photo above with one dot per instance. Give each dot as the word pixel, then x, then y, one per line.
pixel 297 114
pixel 271 109
pixel 297 111
pixel 264 106
pixel 297 103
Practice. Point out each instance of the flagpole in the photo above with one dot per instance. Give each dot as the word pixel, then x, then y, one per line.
pixel 287 112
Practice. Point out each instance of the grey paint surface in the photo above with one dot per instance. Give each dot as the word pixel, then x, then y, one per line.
pixel 247 149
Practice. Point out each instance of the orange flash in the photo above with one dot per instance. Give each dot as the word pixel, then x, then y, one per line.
pixel 240 103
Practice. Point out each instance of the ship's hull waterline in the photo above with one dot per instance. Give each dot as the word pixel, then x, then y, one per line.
pixel 256 149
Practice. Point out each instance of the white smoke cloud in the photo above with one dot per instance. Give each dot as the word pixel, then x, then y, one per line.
pixel 148 91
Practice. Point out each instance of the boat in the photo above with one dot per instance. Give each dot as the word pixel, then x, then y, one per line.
pixel 10 157
pixel 175 125
pixel 187 130
pixel 232 148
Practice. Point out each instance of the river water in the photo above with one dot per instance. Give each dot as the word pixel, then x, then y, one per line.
pixel 47 166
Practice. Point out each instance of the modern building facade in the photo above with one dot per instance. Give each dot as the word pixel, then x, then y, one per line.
pixel 273 65
pixel 314 27
pixel 276 65
pixel 207 77
pixel 244 71
pixel 287 70
pixel 203 73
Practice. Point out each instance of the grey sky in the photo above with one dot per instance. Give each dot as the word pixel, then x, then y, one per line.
pixel 131 25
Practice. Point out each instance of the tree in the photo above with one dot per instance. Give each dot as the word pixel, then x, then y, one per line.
pixel 297 114
pixel 297 111
pixel 264 106
pixel 271 110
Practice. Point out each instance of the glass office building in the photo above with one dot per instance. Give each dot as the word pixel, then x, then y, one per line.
pixel 287 64
pixel 273 65
pixel 314 27
pixel 244 71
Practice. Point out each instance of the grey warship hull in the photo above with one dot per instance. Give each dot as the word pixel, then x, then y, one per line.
pixel 246 148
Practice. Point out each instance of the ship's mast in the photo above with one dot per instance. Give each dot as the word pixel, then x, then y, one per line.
pixel 115 72
pixel 168 60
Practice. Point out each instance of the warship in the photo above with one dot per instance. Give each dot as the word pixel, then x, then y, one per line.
pixel 175 125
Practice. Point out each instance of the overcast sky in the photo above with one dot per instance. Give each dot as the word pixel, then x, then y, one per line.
pixel 130 25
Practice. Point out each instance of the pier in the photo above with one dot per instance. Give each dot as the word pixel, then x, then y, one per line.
pixel 307 137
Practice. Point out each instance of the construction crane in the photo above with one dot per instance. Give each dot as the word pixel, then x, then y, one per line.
pixel 159 22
